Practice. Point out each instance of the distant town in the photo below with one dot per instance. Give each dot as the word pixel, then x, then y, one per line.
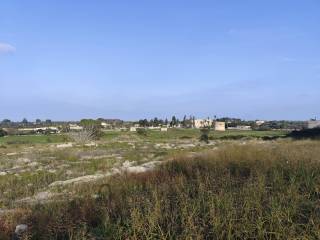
pixel 48 126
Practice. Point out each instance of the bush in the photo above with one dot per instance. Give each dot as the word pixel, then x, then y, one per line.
pixel 204 137
pixel 91 131
pixel 305 134
pixel 142 131
pixel 2 132
pixel 82 136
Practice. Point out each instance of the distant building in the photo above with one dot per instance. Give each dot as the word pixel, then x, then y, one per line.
pixel 260 122
pixel 38 130
pixel 75 127
pixel 219 126
pixel 133 129
pixel 240 128
pixel 163 129
pixel 153 128
pixel 201 123
pixel 314 124
pixel 106 125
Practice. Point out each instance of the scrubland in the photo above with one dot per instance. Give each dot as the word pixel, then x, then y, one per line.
pixel 161 186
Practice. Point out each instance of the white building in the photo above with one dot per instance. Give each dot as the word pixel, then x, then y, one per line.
pixel 163 129
pixel 240 128
pixel 153 128
pixel 39 130
pixel 313 124
pixel 201 123
pixel 133 129
pixel 75 127
pixel 219 126
pixel 260 122
pixel 106 125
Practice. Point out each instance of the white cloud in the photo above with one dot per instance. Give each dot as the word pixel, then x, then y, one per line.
pixel 6 48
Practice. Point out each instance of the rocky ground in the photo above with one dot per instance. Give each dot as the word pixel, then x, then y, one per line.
pixel 43 172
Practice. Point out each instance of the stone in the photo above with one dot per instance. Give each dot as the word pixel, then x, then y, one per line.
pixel 20 229
pixel 37 198
pixel 127 164
pixel 187 145
pixel 92 144
pixel 33 164
pixel 12 154
pixel 139 169
pixel 83 179
pixel 65 145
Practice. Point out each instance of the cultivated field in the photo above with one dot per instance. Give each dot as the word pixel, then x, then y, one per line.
pixel 165 185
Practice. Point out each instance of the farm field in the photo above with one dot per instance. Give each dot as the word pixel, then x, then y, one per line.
pixel 152 135
pixel 129 186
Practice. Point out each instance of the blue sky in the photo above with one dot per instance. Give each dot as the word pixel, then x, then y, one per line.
pixel 140 59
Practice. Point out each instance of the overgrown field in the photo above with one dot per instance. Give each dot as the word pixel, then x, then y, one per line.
pixel 32 139
pixel 156 136
pixel 230 190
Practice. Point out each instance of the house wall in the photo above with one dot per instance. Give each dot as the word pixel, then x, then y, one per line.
pixel 220 126
pixel 313 124
pixel 201 123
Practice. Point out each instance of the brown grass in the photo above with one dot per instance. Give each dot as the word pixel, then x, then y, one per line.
pixel 256 191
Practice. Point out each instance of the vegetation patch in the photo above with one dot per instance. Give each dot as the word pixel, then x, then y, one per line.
pixel 257 191
pixel 306 134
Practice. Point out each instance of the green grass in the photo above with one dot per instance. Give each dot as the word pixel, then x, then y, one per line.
pixel 32 139
pixel 174 134
pixel 253 191
pixel 155 136
pixel 246 134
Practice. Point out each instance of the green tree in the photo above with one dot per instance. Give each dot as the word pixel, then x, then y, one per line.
pixel 156 122
pixel 173 122
pixel 6 121
pixel 143 123
pixel 184 121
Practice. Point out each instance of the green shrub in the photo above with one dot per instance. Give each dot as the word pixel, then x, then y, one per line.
pixel 305 134
pixel 204 137
pixel 142 131
pixel 2 132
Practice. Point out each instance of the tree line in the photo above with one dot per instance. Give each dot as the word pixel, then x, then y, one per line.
pixel 186 122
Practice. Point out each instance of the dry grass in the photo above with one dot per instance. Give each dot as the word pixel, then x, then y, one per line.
pixel 259 191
